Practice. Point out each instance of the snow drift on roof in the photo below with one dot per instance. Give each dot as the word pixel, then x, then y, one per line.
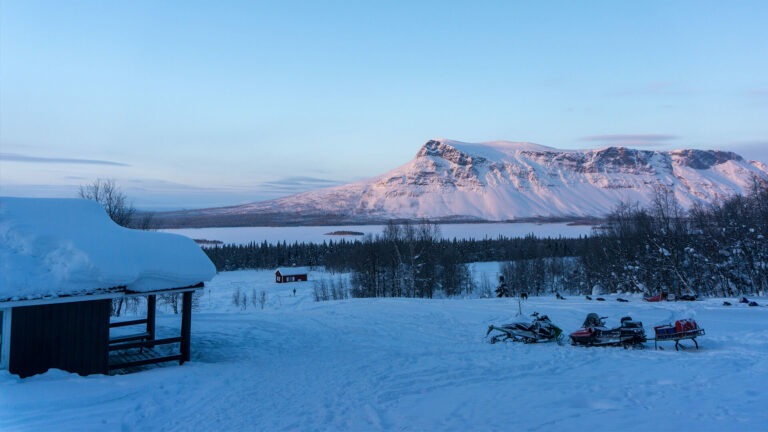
pixel 294 270
pixel 55 247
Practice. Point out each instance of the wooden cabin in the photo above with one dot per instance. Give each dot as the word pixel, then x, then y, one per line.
pixel 55 307
pixel 291 274
pixel 72 333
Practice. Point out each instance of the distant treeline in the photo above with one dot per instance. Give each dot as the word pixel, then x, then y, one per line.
pixel 714 250
pixel 345 255
pixel 406 259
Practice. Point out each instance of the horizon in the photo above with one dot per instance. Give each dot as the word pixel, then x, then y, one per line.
pixel 194 106
pixel 71 191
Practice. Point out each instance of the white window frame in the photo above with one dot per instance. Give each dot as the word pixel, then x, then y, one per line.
pixel 5 344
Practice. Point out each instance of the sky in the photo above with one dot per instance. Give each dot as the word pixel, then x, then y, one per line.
pixel 192 104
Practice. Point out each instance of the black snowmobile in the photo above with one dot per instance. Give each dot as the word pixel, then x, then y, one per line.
pixel 594 333
pixel 540 329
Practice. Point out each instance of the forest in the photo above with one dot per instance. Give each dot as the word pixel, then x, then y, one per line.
pixel 714 250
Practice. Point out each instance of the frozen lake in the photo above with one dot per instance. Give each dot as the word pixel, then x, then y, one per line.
pixel 318 234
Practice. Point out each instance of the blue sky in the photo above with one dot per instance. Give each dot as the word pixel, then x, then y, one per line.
pixel 190 104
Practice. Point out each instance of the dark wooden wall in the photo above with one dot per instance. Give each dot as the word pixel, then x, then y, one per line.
pixel 70 336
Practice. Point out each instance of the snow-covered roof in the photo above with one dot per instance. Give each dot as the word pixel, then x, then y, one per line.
pixel 294 270
pixel 56 247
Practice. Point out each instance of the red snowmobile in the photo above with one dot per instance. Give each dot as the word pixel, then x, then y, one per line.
pixel 594 333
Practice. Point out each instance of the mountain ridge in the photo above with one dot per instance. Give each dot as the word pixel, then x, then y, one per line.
pixel 451 180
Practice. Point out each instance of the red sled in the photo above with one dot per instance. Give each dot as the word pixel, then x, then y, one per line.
pixel 682 329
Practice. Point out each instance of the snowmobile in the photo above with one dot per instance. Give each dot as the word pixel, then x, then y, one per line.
pixel 594 333
pixel 540 329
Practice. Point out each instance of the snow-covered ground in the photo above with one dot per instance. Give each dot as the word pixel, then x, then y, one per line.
pixel 318 234
pixel 410 364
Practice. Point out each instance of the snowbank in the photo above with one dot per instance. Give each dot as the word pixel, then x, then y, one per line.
pixel 54 247
pixel 412 365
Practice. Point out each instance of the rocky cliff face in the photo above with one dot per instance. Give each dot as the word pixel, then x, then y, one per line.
pixel 508 180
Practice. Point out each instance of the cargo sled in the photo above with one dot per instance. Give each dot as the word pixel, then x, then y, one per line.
pixel 682 330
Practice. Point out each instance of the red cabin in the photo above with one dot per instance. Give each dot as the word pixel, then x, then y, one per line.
pixel 293 274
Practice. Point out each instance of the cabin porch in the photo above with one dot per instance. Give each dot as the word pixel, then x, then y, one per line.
pixel 131 351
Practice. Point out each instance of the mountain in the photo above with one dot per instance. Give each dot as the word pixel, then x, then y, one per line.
pixel 496 181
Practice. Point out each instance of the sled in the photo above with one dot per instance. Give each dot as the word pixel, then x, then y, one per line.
pixel 686 329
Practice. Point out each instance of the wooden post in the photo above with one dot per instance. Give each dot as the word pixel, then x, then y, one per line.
pixel 151 309
pixel 186 325
pixel 5 344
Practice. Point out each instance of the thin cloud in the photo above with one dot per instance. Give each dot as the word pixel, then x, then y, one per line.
pixel 297 184
pixel 299 181
pixel 632 139
pixel 15 157
pixel 229 195
pixel 655 88
pixel 163 195
pixel 758 92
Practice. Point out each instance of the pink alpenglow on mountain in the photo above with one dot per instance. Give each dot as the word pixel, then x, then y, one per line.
pixel 501 180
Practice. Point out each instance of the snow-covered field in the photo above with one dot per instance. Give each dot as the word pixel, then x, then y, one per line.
pixel 409 364
pixel 318 234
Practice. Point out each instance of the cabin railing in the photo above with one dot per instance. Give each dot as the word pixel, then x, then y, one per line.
pixel 127 323
pixel 145 344
pixel 149 322
pixel 146 340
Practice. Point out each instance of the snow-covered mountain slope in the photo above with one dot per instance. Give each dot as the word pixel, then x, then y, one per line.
pixel 510 180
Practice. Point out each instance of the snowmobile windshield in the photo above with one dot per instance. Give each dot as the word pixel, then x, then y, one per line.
pixel 592 320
